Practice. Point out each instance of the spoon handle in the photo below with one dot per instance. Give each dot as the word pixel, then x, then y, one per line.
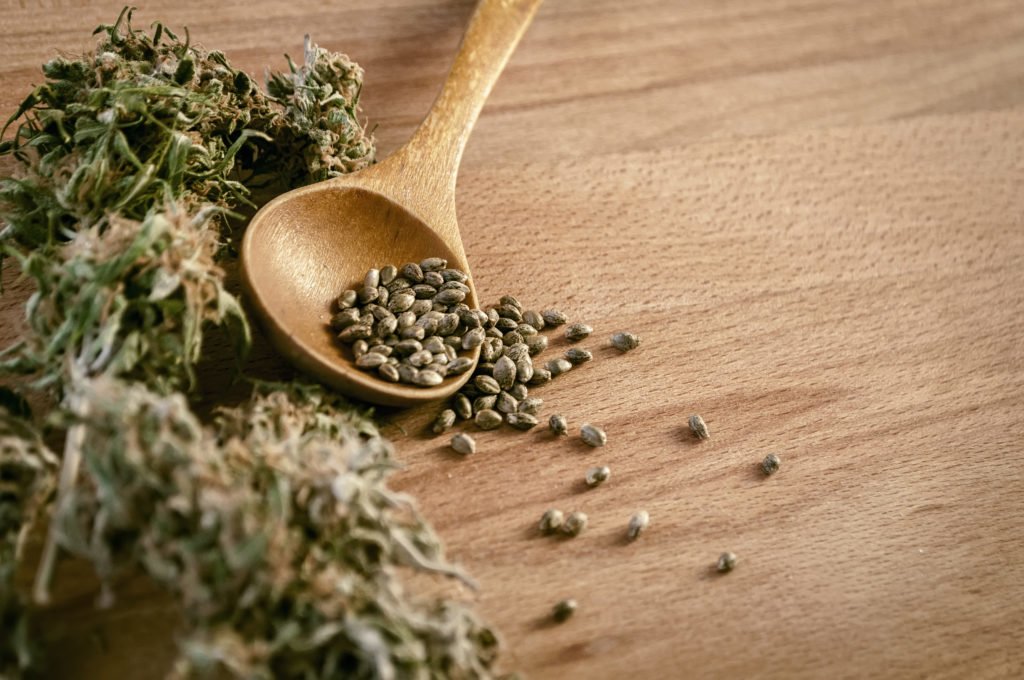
pixel 432 155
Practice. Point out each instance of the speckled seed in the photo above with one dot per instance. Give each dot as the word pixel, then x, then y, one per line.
pixel 593 435
pixel 444 420
pixel 596 475
pixel 461 405
pixel 521 421
pixel 460 365
pixel 407 373
pixel 412 272
pixel 577 331
pixel 511 314
pixel 524 369
pixel 558 366
pixel 577 356
pixel 511 301
pixel 344 319
pixel 506 403
pixel 428 378
pixel 726 562
pixel 371 360
pixel 359 348
pixel 433 264
pixel 513 338
pixel 346 299
pixel 464 444
pixel 421 307
pixel 541 376
pixel 407 347
pixel 519 391
pixel 770 464
pixel 473 338
pixel 486 384
pixel 553 317
pixel 488 419
pixel 504 372
pixel 699 428
pixel 450 296
pixel 564 610
pixel 356 332
pixel 530 405
pixel 484 402
pixel 388 274
pixel 412 333
pixel 421 358
pixel 372 278
pixel 574 524
pixel 534 319
pixel 389 372
pixel 558 424
pixel 526 330
pixel 637 524
pixel 625 341
pixel 491 349
pixel 551 521
pixel 367 294
pixel 516 352
pixel 535 344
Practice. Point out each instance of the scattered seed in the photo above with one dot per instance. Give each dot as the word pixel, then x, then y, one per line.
pixel 574 524
pixel 770 464
pixel 553 317
pixel 530 405
pixel 445 419
pixel 541 376
pixel 488 419
pixel 597 475
pixel 521 421
pixel 558 424
pixel 551 521
pixel 726 562
pixel 577 356
pixel 624 341
pixel 637 524
pixel 534 319
pixel 577 331
pixel 699 428
pixel 536 344
pixel 564 610
pixel 506 403
pixel 464 444
pixel 593 435
pixel 557 367
pixel 461 404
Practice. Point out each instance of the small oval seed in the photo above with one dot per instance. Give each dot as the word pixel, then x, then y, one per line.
pixel 433 264
pixel 551 521
pixel 389 372
pixel 558 366
pixel 461 405
pixel 464 444
pixel 558 424
pixel 428 378
pixel 460 365
pixel 372 278
pixel 770 464
pixel 445 419
pixel 699 428
pixel 637 524
pixel 597 475
pixel 726 562
pixel 625 341
pixel 388 274
pixel 521 421
pixel 473 338
pixel 577 356
pixel 574 524
pixel 593 435
pixel 534 319
pixel 488 419
pixel 487 384
pixel 412 272
pixel 505 372
pixel 577 331
pixel 553 317
pixel 371 360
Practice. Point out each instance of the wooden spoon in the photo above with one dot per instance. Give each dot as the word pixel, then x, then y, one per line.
pixel 305 247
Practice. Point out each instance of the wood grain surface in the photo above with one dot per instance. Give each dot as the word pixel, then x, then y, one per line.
pixel 812 212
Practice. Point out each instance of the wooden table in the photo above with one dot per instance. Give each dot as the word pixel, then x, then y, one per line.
pixel 813 214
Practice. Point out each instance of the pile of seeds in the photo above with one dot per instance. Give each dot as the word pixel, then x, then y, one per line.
pixel 410 325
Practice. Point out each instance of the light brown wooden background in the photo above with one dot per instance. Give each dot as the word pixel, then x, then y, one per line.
pixel 813 213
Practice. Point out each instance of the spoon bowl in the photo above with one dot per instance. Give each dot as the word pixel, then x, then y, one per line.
pixel 312 244
pixel 305 247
